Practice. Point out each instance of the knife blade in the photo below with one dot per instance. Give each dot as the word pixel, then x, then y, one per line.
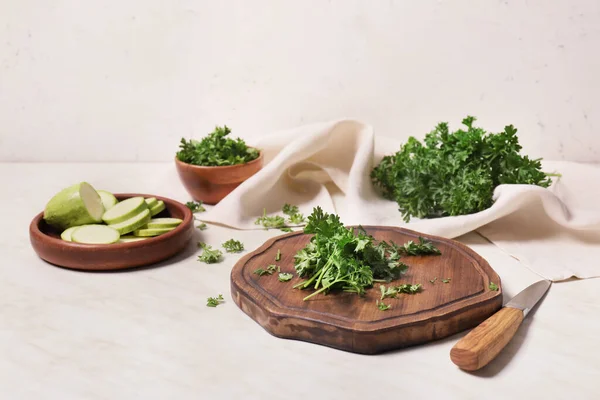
pixel 484 342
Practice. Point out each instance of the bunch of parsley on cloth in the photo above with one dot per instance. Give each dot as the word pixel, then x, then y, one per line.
pixel 454 173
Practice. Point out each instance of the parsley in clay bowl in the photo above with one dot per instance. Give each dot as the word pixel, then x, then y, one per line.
pixel 213 167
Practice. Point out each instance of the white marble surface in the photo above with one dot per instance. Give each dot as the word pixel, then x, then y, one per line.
pixel 135 76
pixel 148 334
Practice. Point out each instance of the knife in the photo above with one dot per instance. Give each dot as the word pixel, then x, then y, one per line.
pixel 482 344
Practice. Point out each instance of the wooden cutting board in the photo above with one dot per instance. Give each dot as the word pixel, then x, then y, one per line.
pixel 348 322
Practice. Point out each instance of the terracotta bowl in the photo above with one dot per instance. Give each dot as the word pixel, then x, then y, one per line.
pixel 211 184
pixel 50 247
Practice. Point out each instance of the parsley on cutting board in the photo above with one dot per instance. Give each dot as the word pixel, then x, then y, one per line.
pixel 338 258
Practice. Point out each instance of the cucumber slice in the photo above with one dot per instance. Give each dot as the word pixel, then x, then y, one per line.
pixel 76 205
pixel 151 201
pixel 158 208
pixel 128 239
pixel 160 223
pixel 133 223
pixel 108 199
pixel 152 232
pixel 124 210
pixel 95 234
pixel 66 235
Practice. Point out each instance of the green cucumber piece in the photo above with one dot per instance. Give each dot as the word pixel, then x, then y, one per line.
pixel 124 210
pixel 133 223
pixel 108 199
pixel 95 234
pixel 152 232
pixel 160 223
pixel 158 208
pixel 66 235
pixel 128 239
pixel 76 205
pixel 151 201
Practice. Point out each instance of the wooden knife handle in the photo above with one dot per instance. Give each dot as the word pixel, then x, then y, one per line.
pixel 483 343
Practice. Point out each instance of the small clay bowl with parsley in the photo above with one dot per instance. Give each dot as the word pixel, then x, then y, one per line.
pixel 213 167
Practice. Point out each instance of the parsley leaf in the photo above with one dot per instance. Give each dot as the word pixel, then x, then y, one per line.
pixel 270 222
pixel 216 150
pixel 294 216
pixel 214 301
pixel 202 226
pixel 233 246
pixel 393 291
pixel 285 276
pixel 433 280
pixel 278 255
pixel 424 246
pixel 447 280
pixel 454 173
pixel 195 206
pixel 209 255
pixel 493 286
pixel 269 271
pixel 382 306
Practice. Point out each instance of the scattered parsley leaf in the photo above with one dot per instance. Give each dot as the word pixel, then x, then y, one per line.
pixel 424 247
pixel 278 255
pixel 454 173
pixel 294 216
pixel 214 301
pixel 202 226
pixel 233 246
pixel 433 280
pixel 289 209
pixel 195 206
pixel 286 229
pixel 382 306
pixel 209 255
pixel 447 280
pixel 285 276
pixel 216 150
pixel 270 222
pixel 409 289
pixel 388 292
pixel 268 271
pixel 493 286
pixel 393 291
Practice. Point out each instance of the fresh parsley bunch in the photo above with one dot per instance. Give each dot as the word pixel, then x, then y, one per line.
pixel 338 259
pixel 454 173
pixel 216 150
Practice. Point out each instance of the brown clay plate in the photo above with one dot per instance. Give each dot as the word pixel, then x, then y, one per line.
pixel 352 323
pixel 50 247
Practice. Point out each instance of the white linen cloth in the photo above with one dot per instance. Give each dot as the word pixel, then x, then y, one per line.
pixel 555 231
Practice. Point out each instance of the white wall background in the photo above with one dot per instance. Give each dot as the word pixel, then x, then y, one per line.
pixel 124 80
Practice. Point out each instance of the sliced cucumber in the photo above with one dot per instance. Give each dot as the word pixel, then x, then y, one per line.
pixel 152 232
pixel 151 201
pixel 76 205
pixel 127 239
pixel 133 223
pixel 108 199
pixel 66 235
pixel 125 210
pixel 95 234
pixel 160 223
pixel 158 208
